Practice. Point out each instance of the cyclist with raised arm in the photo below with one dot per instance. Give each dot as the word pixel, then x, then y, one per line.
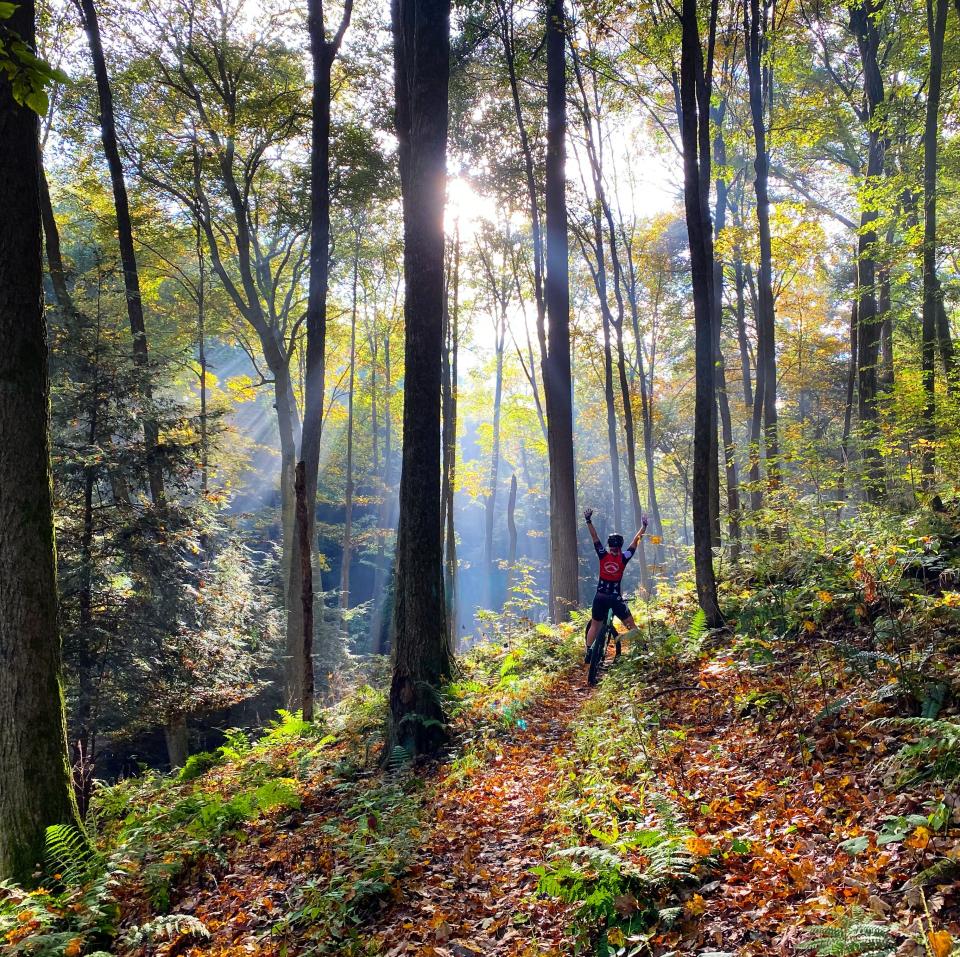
pixel 613 562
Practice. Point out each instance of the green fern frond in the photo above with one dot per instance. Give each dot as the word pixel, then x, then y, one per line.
pixel 67 854
pixel 698 626
pixel 400 757
pixel 168 927
pixel 852 936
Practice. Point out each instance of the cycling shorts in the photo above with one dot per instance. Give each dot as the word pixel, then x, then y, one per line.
pixel 603 603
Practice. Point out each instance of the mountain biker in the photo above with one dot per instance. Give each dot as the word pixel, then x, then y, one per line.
pixel 613 561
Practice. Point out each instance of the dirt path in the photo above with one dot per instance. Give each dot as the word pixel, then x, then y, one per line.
pixel 471 892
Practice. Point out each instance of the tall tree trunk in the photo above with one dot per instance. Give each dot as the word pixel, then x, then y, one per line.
pixel 305 564
pixel 490 500
pixel 35 788
pixel 742 330
pixel 866 30
pixel 421 653
pixel 558 390
pixel 850 393
pixel 756 27
pixel 177 740
pixel 347 543
pixel 449 402
pixel 381 626
pixel 202 358
pixel 58 275
pixel 932 298
pixel 695 83
pixel 945 341
pixel 128 258
pixel 723 401
pixel 323 52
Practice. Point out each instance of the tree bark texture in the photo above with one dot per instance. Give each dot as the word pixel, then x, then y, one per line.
pixel 451 336
pixel 932 297
pixel 695 135
pixel 564 595
pixel 866 30
pixel 305 563
pixel 756 24
pixel 421 653
pixel 35 784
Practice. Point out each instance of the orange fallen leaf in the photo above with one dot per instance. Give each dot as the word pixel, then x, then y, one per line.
pixel 919 839
pixel 941 943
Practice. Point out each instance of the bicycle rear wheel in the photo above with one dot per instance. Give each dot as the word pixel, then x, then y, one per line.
pixel 597 653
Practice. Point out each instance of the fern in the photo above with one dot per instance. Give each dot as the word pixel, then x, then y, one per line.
pixel 698 627
pixel 400 757
pixel 167 927
pixel 68 856
pixel 852 936
pixel 937 753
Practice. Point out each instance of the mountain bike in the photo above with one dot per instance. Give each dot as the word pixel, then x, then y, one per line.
pixel 598 650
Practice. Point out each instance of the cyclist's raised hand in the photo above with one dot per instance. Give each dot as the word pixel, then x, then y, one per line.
pixel 588 514
pixel 644 522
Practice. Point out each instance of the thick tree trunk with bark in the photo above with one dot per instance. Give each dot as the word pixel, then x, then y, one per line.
pixel 421 653
pixel 866 30
pixel 695 79
pixel 564 586
pixel 35 785
pixel 932 297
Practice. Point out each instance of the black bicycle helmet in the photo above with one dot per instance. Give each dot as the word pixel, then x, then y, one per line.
pixel 615 541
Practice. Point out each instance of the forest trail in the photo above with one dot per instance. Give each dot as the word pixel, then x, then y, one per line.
pixel 471 891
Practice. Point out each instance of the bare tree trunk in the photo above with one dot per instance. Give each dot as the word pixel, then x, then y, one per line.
pixel 202 359
pixel 449 403
pixel 381 625
pixel 851 391
pixel 742 330
pixel 864 27
pixel 347 543
pixel 323 53
pixel 35 787
pixel 305 563
pixel 512 523
pixel 695 83
pixel 421 653
pixel 759 72
pixel 128 258
pixel 556 363
pixel 946 343
pixel 491 497
pixel 932 297
pixel 723 401
pixel 177 740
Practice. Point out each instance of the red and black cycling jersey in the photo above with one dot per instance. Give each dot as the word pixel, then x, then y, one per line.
pixel 611 569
